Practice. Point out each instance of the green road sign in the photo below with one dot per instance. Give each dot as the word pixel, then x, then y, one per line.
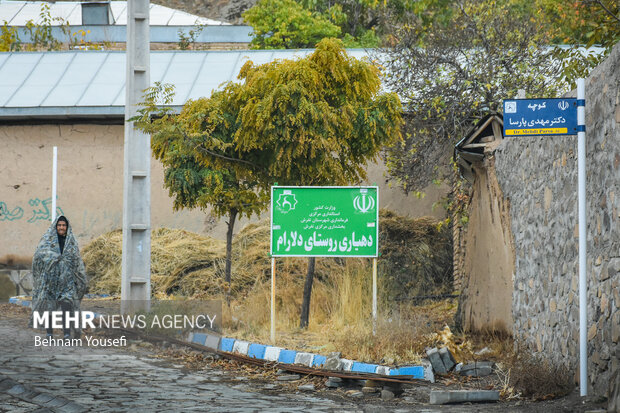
pixel 324 221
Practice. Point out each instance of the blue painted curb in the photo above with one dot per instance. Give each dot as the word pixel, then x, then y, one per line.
pixel 199 338
pixel 226 344
pixel 287 356
pixel 257 351
pixel 271 353
pixel 364 367
pixel 416 371
pixel 318 360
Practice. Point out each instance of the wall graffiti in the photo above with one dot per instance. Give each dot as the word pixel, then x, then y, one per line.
pixel 40 211
pixel 8 215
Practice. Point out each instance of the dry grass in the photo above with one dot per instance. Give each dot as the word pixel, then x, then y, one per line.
pixel 340 315
pixel 413 260
pixel 532 376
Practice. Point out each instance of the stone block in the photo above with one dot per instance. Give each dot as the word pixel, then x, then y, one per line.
pixel 447 358
pixel 369 390
pixel 332 362
pixel 346 364
pixel 479 369
pixel 212 341
pixel 42 398
pixel 241 347
pixel 436 362
pixel 435 359
pixel 371 383
pixel 272 353
pixel 355 393
pixel 306 387
pixel 6 383
pixel 333 382
pixel 16 390
pixel 613 401
pixel 304 359
pixel 463 396
pixel 615 327
pixel 387 395
pixel 428 371
pixel 288 377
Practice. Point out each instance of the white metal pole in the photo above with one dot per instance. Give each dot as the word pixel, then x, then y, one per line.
pixel 374 296
pixel 54 180
pixel 583 304
pixel 273 300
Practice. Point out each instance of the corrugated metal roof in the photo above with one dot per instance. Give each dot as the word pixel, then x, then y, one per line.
pixel 92 83
pixel 18 13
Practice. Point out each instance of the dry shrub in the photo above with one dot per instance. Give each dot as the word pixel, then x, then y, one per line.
pixel 538 378
pixel 340 314
pixel 416 256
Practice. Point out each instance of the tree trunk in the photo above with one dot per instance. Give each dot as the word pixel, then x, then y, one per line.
pixel 305 305
pixel 229 237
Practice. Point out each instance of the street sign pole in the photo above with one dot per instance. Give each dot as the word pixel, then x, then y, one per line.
pixel 326 221
pixel 374 296
pixel 546 117
pixel 273 300
pixel 583 305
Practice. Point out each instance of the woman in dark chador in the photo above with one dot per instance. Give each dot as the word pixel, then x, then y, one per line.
pixel 58 273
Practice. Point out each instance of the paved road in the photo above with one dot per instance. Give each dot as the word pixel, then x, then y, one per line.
pixel 76 379
pixel 110 379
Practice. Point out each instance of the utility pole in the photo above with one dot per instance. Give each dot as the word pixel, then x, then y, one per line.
pixel 136 262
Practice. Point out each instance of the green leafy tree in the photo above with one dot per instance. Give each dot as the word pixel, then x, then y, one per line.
pixel 581 22
pixel 9 38
pixel 315 121
pixel 286 24
pixel 311 121
pixel 485 53
pixel 199 159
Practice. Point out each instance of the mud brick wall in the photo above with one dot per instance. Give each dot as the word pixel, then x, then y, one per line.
pixel 538 176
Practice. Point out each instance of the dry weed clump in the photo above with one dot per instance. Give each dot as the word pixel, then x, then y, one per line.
pixel 416 256
pixel 535 377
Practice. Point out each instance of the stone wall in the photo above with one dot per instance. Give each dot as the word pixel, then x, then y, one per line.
pixel 538 176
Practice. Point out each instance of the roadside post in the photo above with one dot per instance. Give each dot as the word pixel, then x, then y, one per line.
pixel 54 180
pixel 324 221
pixel 562 116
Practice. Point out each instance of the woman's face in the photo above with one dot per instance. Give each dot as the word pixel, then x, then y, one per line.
pixel 61 228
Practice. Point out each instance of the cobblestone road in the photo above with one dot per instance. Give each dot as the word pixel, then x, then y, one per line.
pixel 111 380
pixel 76 379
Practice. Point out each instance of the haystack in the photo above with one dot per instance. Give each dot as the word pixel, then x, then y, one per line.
pixel 416 257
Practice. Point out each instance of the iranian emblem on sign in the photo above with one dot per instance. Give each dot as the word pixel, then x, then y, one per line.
pixel 563 105
pixel 364 203
pixel 287 201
